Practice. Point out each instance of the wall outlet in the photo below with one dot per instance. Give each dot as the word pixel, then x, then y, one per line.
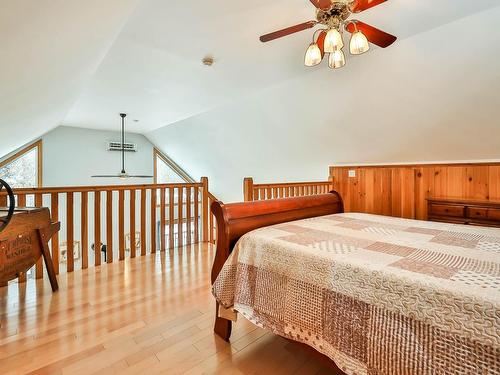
pixel 352 173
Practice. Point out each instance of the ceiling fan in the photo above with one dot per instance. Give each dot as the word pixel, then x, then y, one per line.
pixel 334 14
pixel 123 174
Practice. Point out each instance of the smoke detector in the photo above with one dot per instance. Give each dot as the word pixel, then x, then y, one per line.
pixel 208 61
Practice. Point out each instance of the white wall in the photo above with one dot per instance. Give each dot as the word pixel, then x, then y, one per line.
pixel 72 155
pixel 430 97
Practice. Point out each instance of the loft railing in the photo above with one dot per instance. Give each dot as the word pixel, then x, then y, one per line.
pixel 256 192
pixel 105 224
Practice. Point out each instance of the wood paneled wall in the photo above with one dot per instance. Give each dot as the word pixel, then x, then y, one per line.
pixel 402 190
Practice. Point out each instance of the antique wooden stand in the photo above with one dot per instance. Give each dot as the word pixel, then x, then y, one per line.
pixel 24 240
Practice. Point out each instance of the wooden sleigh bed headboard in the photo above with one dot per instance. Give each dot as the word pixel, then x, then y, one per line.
pixel 236 219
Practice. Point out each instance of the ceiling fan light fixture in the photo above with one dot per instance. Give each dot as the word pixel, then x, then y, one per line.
pixel 313 55
pixel 333 41
pixel 336 59
pixel 359 44
pixel 123 175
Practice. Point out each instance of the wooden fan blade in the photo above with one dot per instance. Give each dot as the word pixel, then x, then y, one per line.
pixel 374 35
pixel 322 4
pixel 321 43
pixel 287 31
pixel 361 5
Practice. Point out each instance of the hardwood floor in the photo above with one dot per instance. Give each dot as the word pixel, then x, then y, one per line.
pixel 147 315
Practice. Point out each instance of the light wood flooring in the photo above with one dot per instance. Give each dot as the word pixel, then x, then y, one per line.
pixel 147 315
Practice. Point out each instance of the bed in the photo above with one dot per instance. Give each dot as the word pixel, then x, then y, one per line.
pixel 375 295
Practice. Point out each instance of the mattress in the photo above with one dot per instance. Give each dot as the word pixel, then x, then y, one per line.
pixel 378 295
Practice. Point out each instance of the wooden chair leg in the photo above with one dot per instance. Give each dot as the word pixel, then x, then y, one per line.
pixel 43 239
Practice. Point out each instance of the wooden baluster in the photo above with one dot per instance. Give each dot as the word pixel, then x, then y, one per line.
pixel 269 194
pixel 21 202
pixel 180 219
pixel 211 224
pixel 205 208
pixel 275 193
pixel 256 194
pixel 143 222
pixel 153 220
pixel 70 261
pixel 162 219
pixel 287 192
pixel 121 224
pixel 171 218
pixel 196 215
pixel 109 226
pixel 97 228
pixel 85 229
pixel 188 215
pixel 39 263
pixel 132 223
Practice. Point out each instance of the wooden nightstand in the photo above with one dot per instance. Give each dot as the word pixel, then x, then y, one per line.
pixel 464 211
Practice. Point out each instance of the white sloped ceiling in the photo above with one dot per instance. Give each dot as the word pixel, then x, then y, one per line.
pixel 49 49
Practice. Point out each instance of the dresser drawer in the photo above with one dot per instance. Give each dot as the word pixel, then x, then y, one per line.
pixel 483 213
pixel 446 210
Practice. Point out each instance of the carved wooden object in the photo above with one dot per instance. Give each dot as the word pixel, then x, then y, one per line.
pixel 24 241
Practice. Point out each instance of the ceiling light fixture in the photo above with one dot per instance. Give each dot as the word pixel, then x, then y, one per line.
pixel 313 55
pixel 336 59
pixel 334 16
pixel 123 175
pixel 333 41
pixel 359 44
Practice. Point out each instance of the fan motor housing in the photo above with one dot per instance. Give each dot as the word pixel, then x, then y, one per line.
pixel 339 12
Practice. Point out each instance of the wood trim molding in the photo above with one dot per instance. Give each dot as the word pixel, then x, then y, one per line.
pixel 172 164
pixel 37 144
pixel 418 165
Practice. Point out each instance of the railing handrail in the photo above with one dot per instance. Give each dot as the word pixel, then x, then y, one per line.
pixel 252 191
pixel 90 188
pixel 179 215
pixel 285 184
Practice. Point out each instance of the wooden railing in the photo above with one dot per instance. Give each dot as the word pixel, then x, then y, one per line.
pixel 256 192
pixel 104 224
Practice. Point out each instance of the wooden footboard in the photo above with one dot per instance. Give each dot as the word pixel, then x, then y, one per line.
pixel 236 219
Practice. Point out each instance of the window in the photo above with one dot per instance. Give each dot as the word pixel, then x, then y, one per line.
pixel 24 168
pixel 166 171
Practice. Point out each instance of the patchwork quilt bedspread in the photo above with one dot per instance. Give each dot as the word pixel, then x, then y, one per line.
pixel 378 295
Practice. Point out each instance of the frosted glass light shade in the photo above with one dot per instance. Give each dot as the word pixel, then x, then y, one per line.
pixel 313 55
pixel 359 44
pixel 333 41
pixel 336 59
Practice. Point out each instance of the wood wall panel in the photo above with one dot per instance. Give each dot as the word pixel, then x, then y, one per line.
pixel 402 190
pixel 494 182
